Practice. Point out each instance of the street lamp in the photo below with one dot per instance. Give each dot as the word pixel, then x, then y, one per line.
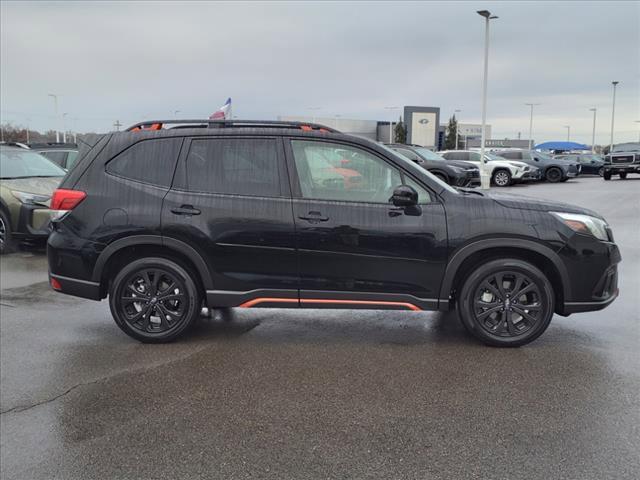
pixel 64 128
pixel 568 127
pixel 391 123
pixel 613 113
pixel 593 133
pixel 175 113
pixel 55 114
pixel 484 176
pixel 457 125
pixel 531 124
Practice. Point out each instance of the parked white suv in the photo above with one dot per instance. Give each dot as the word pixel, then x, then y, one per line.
pixel 503 172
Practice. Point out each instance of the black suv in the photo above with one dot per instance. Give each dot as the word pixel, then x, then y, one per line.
pixel 264 214
pixel 553 169
pixel 458 174
pixel 622 160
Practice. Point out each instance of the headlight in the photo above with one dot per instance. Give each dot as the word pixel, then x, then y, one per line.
pixel 30 198
pixel 584 224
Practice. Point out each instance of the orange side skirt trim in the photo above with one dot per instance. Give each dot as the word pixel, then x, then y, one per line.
pixel 257 301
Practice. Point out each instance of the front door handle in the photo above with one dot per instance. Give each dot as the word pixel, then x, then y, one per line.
pixel 314 217
pixel 185 210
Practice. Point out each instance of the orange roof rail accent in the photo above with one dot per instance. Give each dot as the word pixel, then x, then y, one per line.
pixel 305 128
pixel 153 126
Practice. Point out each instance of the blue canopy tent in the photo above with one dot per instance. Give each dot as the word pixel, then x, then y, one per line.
pixel 565 146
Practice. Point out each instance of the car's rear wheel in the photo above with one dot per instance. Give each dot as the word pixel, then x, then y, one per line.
pixel 506 302
pixel 154 300
pixel 623 175
pixel 553 175
pixel 606 175
pixel 601 171
pixel 6 239
pixel 501 178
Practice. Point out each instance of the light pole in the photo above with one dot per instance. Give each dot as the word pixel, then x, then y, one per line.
pixel 64 128
pixel 593 133
pixel 568 127
pixel 391 109
pixel 55 114
pixel 314 109
pixel 613 113
pixel 175 113
pixel 638 122
pixel 531 124
pixel 457 126
pixel 484 175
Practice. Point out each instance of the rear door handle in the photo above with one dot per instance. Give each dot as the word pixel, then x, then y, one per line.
pixel 185 210
pixel 314 217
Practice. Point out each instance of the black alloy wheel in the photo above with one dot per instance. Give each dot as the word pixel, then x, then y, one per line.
pixel 553 175
pixel 154 300
pixel 501 178
pixel 506 303
pixel 600 171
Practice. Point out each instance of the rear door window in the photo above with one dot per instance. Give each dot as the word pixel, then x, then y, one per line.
pixel 149 161
pixel 237 166
pixel 58 157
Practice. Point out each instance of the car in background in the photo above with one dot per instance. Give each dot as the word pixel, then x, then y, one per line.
pixel 553 170
pixel 623 159
pixel 458 174
pixel 27 181
pixel 589 163
pixel 503 172
pixel 63 154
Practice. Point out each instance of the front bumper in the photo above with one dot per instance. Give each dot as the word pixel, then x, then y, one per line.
pixel 532 175
pixel 33 222
pixel 622 168
pixel 592 268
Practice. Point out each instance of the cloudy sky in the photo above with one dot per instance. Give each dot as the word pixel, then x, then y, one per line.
pixel 128 61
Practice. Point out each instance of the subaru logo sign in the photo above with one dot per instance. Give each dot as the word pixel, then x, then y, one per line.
pixel 423 121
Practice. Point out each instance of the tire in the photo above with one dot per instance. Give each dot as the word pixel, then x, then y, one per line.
pixel 7 245
pixel 623 175
pixel 553 175
pixel 564 179
pixel 606 175
pixel 601 171
pixel 517 325
pixel 164 320
pixel 501 178
pixel 442 177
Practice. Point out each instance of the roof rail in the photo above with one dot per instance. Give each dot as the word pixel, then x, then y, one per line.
pixel 159 124
pixel 14 144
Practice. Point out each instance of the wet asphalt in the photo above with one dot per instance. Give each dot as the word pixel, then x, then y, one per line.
pixel 288 394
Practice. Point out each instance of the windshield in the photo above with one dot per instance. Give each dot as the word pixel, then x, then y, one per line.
pixel 19 163
pixel 413 166
pixel 428 154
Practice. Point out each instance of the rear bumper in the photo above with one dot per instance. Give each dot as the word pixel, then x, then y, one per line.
pixel 75 286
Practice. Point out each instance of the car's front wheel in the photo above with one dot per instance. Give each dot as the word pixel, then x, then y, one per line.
pixel 154 300
pixel 606 175
pixel 553 175
pixel 6 239
pixel 506 302
pixel 501 178
pixel 623 175
pixel 601 171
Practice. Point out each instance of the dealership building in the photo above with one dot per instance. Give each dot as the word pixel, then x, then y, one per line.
pixel 423 127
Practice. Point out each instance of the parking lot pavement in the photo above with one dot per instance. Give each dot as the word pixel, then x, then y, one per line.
pixel 323 394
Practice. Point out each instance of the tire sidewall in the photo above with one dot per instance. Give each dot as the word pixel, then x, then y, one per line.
pixel 465 301
pixel 161 264
pixel 550 175
pixel 8 239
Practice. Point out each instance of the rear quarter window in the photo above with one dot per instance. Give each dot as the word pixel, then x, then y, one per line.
pixel 149 161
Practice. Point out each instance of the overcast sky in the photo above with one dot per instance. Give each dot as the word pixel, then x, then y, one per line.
pixel 131 61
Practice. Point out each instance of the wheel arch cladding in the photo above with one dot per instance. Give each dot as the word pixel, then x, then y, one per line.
pixel 470 256
pixel 123 250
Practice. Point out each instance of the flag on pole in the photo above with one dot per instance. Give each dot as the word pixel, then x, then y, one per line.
pixel 223 112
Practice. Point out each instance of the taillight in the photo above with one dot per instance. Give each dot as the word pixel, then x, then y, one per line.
pixel 64 201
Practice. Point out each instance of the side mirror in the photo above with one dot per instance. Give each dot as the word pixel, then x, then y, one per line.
pixel 404 196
